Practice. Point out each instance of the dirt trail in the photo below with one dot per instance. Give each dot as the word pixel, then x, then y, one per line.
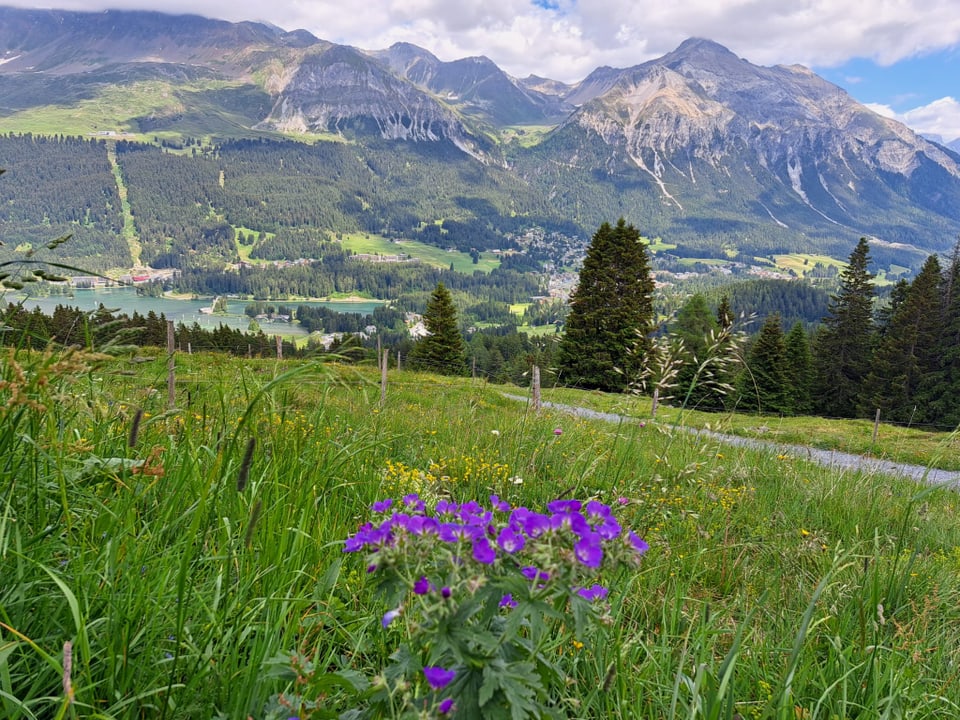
pixel 829 458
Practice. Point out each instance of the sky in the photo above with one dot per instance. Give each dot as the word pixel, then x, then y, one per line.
pixel 900 57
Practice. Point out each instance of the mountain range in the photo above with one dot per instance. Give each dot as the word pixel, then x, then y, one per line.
pixel 699 147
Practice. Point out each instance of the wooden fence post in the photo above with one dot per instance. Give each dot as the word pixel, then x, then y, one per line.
pixel 656 401
pixel 171 367
pixel 876 426
pixel 535 388
pixel 383 376
pixel 279 347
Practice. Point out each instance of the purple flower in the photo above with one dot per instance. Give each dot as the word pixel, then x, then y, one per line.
pixel 422 586
pixel 507 601
pixel 438 677
pixel 454 532
pixel 499 504
pixel 596 509
pixel 445 507
pixel 390 616
pixel 623 500
pixel 572 520
pixel 639 544
pixel 597 592
pixel 445 707
pixel 558 431
pixel 471 507
pixel 609 528
pixel 445 592
pixel 509 541
pixel 531 573
pixel 413 500
pixel 533 524
pixel 381 505
pixel 483 551
pixel 589 550
pixel 563 506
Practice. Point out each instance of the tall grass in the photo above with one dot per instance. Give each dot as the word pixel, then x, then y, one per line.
pixel 186 563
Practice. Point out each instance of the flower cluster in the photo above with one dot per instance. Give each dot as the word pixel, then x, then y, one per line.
pixel 587 530
pixel 449 570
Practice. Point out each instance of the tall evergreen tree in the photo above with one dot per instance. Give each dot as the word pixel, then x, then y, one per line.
pixel 763 384
pixel 443 350
pixel 799 369
pixel 844 345
pixel 724 313
pixel 697 327
pixel 611 312
pixel 945 388
pixel 906 361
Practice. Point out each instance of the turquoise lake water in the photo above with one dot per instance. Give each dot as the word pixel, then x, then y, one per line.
pixel 126 300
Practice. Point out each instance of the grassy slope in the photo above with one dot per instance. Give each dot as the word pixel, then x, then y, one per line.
pixel 430 254
pixel 177 590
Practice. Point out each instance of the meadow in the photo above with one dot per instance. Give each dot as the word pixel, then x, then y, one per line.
pixel 188 561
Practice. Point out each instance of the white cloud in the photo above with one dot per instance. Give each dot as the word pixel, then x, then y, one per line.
pixel 569 38
pixel 940 118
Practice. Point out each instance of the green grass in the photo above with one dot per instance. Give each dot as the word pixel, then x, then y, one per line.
pixel 773 588
pixel 916 446
pixel 429 254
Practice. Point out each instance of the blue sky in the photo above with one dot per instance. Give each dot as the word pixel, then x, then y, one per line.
pixel 917 88
pixel 900 56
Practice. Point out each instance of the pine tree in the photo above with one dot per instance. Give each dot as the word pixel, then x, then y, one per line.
pixel 799 367
pixel 906 361
pixel 844 345
pixel 611 312
pixel 764 382
pixel 443 350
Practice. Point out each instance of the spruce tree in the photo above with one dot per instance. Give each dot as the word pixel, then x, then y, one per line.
pixel 611 313
pixel 764 382
pixel 443 350
pixel 799 367
pixel 844 344
pixel 906 361
pixel 945 387
pixel 697 327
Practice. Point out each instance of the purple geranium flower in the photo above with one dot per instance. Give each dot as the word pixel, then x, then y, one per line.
pixel 595 509
pixel 562 506
pixel 638 543
pixel 445 592
pixel 531 573
pixel 390 616
pixel 531 523
pixel 507 601
pixel 499 504
pixel 422 586
pixel 381 505
pixel 588 550
pixel 483 551
pixel 438 677
pixel 597 592
pixel 510 541
pixel 445 707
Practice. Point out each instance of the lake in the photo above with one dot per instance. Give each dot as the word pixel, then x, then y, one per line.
pixel 125 300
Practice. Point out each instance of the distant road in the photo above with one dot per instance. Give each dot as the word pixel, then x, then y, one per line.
pixel 829 458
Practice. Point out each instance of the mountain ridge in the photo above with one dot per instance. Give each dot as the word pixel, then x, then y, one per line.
pixel 692 145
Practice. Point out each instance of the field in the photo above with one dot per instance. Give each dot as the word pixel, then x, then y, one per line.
pixel 188 561
pixel 430 254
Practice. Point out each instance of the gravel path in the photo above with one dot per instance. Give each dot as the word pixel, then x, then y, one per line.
pixel 829 458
